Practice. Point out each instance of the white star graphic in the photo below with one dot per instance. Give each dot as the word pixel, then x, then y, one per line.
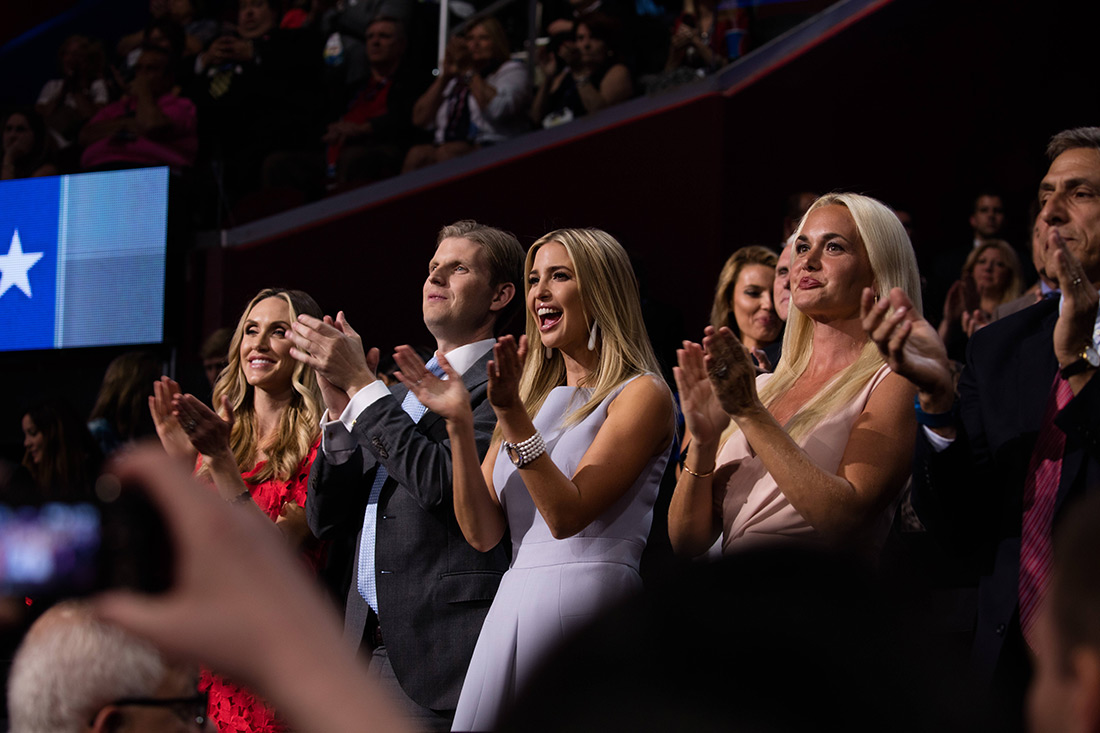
pixel 15 265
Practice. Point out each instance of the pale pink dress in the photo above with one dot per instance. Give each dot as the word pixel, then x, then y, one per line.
pixel 756 513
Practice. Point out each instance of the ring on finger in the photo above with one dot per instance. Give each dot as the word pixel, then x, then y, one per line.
pixel 1077 281
pixel 722 371
pixel 190 426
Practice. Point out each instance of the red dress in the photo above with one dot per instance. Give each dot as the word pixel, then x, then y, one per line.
pixel 233 708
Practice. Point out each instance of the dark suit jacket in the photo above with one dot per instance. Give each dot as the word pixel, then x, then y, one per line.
pixel 434 589
pixel 971 494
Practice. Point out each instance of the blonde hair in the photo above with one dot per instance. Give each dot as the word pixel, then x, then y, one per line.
pixel 609 294
pixel 1012 290
pixel 893 265
pixel 299 424
pixel 721 312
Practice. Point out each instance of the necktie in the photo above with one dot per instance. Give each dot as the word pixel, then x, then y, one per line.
pixel 366 579
pixel 1040 492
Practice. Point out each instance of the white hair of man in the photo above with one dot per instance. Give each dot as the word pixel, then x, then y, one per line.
pixel 70 665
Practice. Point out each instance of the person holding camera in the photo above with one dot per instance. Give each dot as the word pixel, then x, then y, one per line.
pixel 478 99
pixel 583 75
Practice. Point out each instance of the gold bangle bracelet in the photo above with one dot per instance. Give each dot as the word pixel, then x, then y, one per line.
pixel 700 475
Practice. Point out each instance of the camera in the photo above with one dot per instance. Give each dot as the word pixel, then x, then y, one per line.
pixel 67 549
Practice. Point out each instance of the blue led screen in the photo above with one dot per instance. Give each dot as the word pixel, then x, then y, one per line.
pixel 82 259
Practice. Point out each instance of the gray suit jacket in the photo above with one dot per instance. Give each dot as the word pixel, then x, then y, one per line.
pixel 434 589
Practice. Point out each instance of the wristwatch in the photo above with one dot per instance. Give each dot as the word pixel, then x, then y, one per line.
pixel 1088 359
pixel 524 452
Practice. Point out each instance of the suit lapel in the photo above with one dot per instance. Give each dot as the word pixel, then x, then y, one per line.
pixel 1036 365
pixel 473 378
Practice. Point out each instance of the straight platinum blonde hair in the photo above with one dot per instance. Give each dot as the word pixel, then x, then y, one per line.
pixel 609 295
pixel 893 265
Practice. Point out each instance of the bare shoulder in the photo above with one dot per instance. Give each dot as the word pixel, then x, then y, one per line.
pixel 648 390
pixel 894 387
pixel 891 399
pixel 644 408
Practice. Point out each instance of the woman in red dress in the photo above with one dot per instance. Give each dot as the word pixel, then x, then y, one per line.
pixel 257 452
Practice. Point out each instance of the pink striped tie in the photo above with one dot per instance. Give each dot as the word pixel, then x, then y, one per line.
pixel 1040 492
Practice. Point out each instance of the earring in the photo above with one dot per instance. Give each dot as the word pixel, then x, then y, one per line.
pixel 549 353
pixel 592 335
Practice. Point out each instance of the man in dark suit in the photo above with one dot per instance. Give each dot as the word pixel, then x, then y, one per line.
pixel 419 592
pixel 998 462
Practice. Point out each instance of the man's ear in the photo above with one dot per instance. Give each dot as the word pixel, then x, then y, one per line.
pixel 973 221
pixel 1085 661
pixel 109 719
pixel 502 296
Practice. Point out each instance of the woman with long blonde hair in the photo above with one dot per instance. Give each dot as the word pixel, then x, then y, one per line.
pixel 257 451
pixel 584 430
pixel 820 450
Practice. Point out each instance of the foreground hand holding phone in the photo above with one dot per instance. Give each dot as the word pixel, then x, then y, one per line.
pixel 241 604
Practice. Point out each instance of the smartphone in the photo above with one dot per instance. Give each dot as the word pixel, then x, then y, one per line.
pixel 62 550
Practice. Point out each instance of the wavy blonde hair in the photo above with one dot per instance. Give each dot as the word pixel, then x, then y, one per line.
pixel 609 294
pixel 300 422
pixel 893 265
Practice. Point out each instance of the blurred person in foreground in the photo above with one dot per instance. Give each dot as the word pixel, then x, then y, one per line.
pixel 1065 691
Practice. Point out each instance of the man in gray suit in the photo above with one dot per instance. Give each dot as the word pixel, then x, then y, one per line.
pixel 419 592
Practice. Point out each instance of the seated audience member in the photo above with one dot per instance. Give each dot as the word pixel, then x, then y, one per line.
pixel 67 103
pixel 480 98
pixel 698 43
pixel 345 25
pixel 1064 694
pixel 585 75
pixel 151 125
pixel 369 142
pixel 28 147
pixel 121 411
pixel 261 91
pixel 819 451
pixel 990 278
pixel 60 453
pixel 74 673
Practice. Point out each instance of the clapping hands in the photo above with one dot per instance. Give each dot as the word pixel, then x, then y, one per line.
pixel 445 397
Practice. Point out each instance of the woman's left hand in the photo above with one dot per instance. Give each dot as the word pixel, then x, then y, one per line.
pixel 208 432
pixel 505 371
pixel 731 371
pixel 292 523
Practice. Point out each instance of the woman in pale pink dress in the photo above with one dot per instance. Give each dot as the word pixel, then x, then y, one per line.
pixel 820 450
